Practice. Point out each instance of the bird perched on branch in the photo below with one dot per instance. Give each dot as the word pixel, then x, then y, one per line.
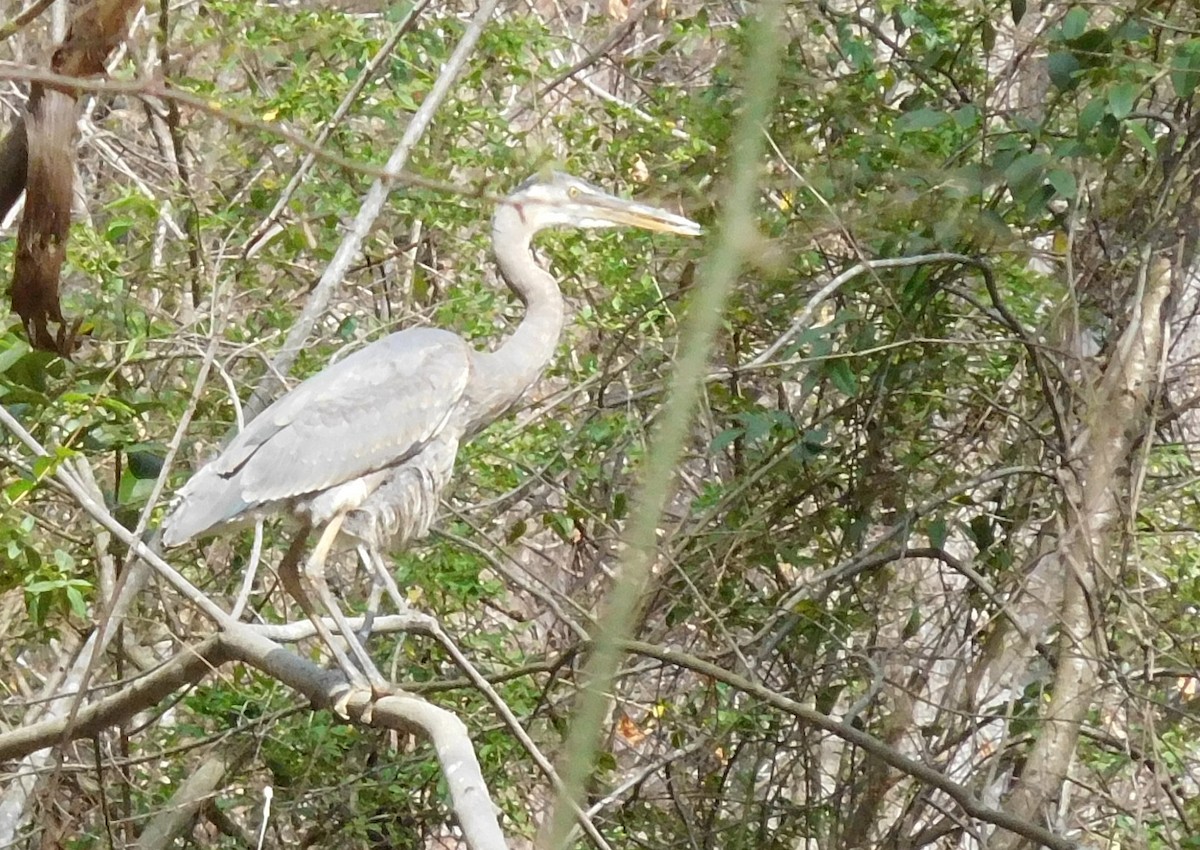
pixel 365 448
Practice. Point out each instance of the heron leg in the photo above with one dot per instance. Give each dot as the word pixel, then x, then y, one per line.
pixel 383 576
pixel 314 572
pixel 372 600
pixel 289 575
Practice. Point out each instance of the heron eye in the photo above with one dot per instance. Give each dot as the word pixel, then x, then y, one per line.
pixel 573 192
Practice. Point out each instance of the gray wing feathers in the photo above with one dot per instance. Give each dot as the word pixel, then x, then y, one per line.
pixel 371 410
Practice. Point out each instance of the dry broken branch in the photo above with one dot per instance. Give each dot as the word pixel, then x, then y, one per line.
pixel 48 131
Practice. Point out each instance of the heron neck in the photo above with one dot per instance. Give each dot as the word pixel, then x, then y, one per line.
pixel 520 359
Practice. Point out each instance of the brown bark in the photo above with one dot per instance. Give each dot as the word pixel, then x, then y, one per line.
pixel 97 30
pixel 42 238
pixel 13 164
pixel 45 143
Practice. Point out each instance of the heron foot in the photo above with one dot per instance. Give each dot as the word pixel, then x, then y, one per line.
pixel 359 691
pixel 348 693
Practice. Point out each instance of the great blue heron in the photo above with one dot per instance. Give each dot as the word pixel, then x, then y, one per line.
pixel 365 448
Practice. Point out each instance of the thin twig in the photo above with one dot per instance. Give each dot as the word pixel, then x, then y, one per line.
pixel 372 205
pixel 619 34
pixel 100 514
pixel 158 89
pixel 258 238
pixel 970 804
pixel 24 18
pixel 802 321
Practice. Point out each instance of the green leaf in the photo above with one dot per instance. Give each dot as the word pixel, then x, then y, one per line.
pixel 814 438
pixel 938 532
pixel 10 355
pixel 1063 182
pixel 1017 8
pixel 397 12
pixel 725 439
pixel 1025 173
pixel 38 605
pixel 516 532
pixel 144 464
pixel 44 465
pixel 921 119
pixel 843 377
pixel 76 601
pixel 1091 114
pixel 134 490
pixel 1070 148
pixel 1121 98
pixel 1075 23
pixel 913 624
pixel 987 35
pixel 1092 49
pixel 1062 67
pixel 1131 30
pixel 117 406
pixel 117 228
pixel 966 116
pixel 1138 130
pixel 13 492
pixel 982 532
pixel 1185 68
pixel 1107 135
pixel 562 525
pixel 758 425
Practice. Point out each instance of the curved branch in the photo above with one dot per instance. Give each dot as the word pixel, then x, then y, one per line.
pixel 452 742
pixel 240 642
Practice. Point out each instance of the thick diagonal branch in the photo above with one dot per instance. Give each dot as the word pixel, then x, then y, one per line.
pixel 1095 483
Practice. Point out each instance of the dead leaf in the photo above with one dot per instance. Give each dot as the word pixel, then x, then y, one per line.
pixel 618 10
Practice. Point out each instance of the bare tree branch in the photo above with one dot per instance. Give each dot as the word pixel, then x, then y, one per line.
pixel 162 90
pixel 192 796
pixel 237 641
pixel 971 805
pixel 1095 482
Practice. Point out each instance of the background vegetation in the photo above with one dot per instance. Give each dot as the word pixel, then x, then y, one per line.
pixel 947 503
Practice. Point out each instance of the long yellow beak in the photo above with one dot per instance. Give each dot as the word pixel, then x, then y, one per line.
pixel 634 214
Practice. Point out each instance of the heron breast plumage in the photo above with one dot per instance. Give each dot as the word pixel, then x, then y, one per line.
pixel 404 505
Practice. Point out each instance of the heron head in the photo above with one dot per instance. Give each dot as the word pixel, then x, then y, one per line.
pixel 554 199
